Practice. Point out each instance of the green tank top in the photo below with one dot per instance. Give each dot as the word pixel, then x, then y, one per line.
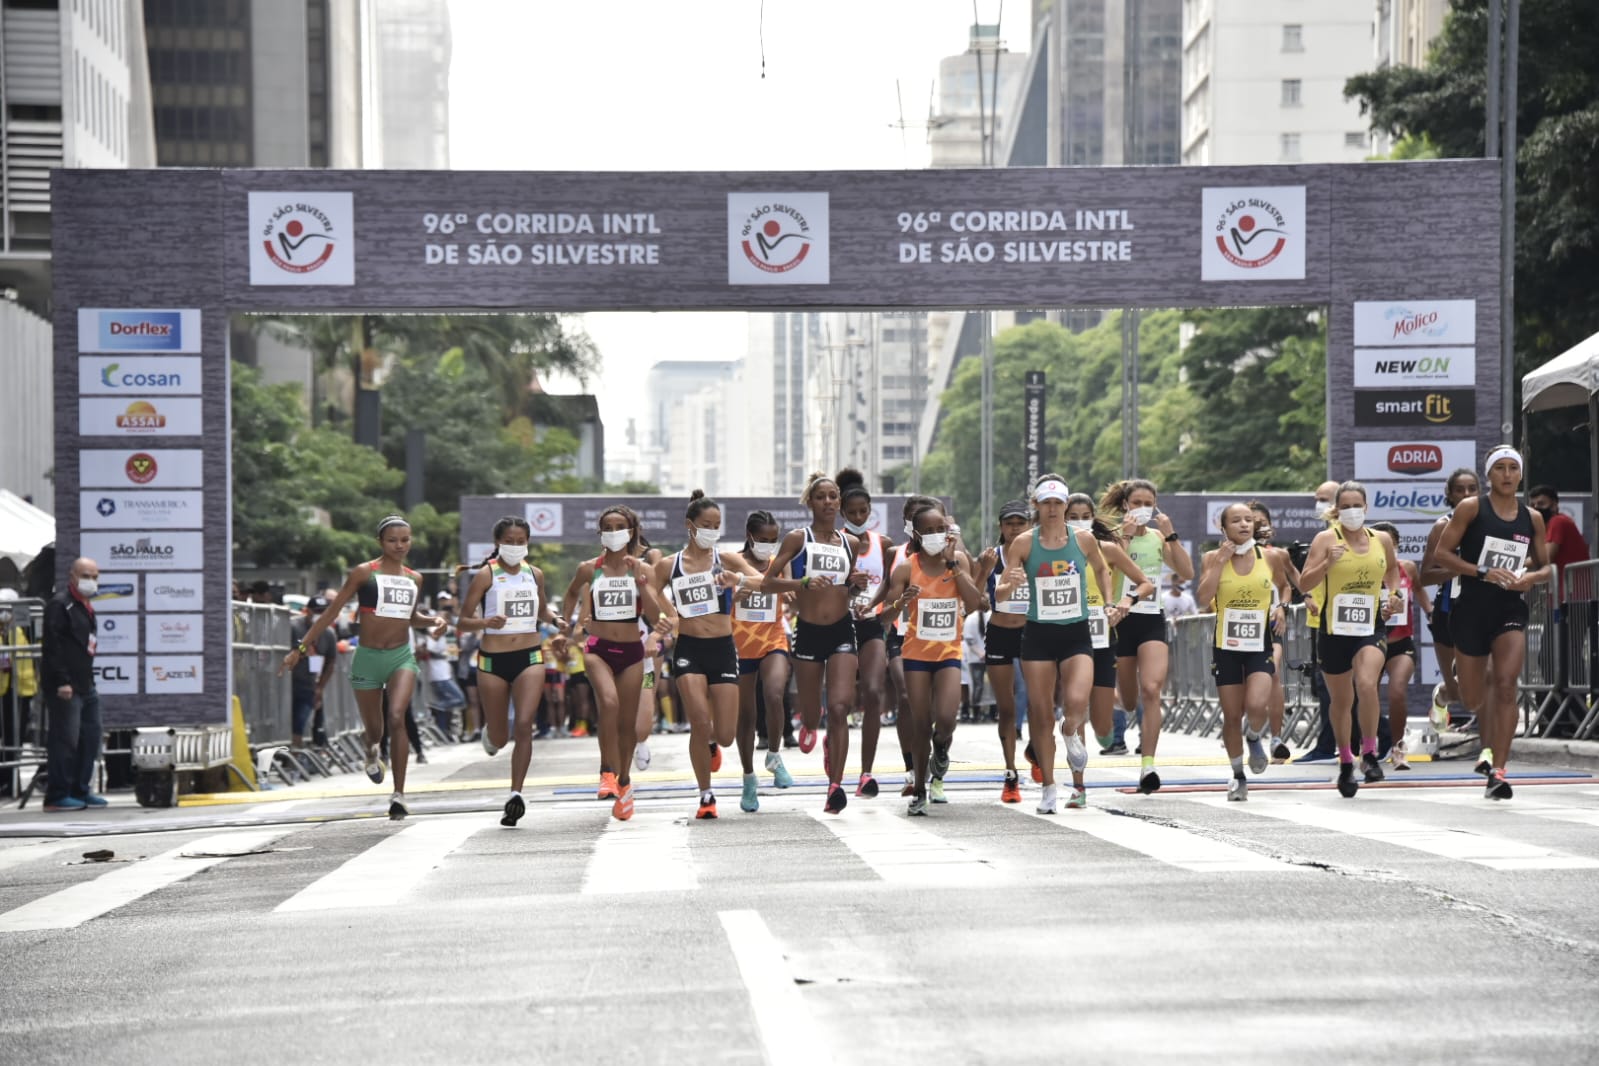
pixel 1056 579
pixel 1148 552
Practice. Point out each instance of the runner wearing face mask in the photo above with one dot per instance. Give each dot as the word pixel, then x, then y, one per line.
pixel 1401 662
pixel 870 637
pixel 1354 564
pixel 1462 484
pixel 1280 559
pixel 1002 643
pixel 762 641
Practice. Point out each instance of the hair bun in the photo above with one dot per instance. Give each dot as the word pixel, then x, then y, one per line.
pixel 849 477
pixel 697 494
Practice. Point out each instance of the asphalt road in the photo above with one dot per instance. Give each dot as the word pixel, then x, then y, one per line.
pixel 1411 924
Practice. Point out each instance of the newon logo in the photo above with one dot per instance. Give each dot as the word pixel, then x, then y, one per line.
pixel 116 330
pixel 302 238
pixel 1411 323
pixel 156 468
pixel 152 417
pixel 1252 234
pixel 777 238
pixel 1421 459
pixel 143 551
pixel 177 375
pixel 156 509
pixel 1380 368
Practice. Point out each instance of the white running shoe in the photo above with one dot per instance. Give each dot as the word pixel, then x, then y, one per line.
pixel 1237 790
pixel 374 764
pixel 641 755
pixel 1258 759
pixel 1396 756
pixel 1046 801
pixel 1076 754
pixel 488 745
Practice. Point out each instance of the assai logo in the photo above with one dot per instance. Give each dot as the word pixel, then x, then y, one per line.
pixel 1415 458
pixel 141 416
pixel 777 238
pixel 141 468
pixel 302 238
pixel 1253 233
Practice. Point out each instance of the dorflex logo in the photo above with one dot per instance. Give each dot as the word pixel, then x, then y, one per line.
pixel 777 238
pixel 1252 234
pixel 149 376
pixel 1410 323
pixel 1383 460
pixel 1377 368
pixel 302 238
pixel 1387 407
pixel 117 330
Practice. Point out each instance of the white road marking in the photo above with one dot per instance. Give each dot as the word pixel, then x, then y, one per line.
pixel 647 853
pixel 1553 812
pixel 381 875
pixel 73 906
pixel 10 858
pixel 901 851
pixel 1496 853
pixel 1168 844
pixel 774 999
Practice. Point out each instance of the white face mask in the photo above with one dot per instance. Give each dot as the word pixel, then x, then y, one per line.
pixel 87 587
pixel 615 540
pixel 763 549
pixel 1081 525
pixel 1141 515
pixel 910 530
pixel 856 528
pixel 513 553
pixel 1352 517
pixel 933 543
pixel 707 538
pixel 1323 506
pixel 1243 549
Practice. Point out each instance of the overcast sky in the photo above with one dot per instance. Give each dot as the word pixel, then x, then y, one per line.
pixel 646 85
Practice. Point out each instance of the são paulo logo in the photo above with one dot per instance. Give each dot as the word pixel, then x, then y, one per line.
pixel 1251 232
pixel 776 237
pixel 141 416
pixel 140 468
pixel 298 238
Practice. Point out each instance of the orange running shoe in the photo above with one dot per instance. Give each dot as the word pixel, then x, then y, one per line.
pixel 1012 792
pixel 707 806
pixel 716 762
pixel 609 789
pixel 581 729
pixel 1038 771
pixel 622 809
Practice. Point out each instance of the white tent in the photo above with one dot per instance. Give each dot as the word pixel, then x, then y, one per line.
pixel 24 529
pixel 1571 379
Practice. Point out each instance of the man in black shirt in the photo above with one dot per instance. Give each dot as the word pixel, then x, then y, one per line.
pixel 67 663
pixel 312 672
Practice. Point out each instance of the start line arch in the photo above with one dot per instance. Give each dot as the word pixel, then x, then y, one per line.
pixel 149 265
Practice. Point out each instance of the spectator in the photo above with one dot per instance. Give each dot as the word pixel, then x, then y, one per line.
pixel 312 673
pixel 19 683
pixel 1178 602
pixel 1566 543
pixel 974 671
pixel 67 661
pixel 433 653
pixel 261 592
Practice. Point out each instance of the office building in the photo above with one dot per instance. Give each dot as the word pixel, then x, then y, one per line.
pixel 411 50
pixel 976 101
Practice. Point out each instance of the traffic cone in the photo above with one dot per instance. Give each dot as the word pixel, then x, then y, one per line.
pixel 242 760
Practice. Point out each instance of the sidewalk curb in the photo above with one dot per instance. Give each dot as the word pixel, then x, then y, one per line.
pixel 1577 754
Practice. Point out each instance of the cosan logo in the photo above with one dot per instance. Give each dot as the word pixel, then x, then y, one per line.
pixel 1407 322
pixel 113 379
pixel 1415 458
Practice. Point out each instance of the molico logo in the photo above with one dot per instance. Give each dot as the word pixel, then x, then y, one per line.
pixel 1253 233
pixel 1407 323
pixel 777 238
pixel 302 238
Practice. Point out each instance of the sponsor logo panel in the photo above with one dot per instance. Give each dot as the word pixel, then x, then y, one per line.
pixel 116 635
pixel 103 329
pixel 116 675
pixel 152 417
pixel 778 238
pixel 546 519
pixel 1387 459
pixel 118 593
pixel 1385 368
pixel 302 238
pixel 1252 233
pixel 145 375
pixel 98 509
pixel 175 592
pixel 174 673
pixel 173 632
pixel 1415 407
pixel 1412 540
pixel 154 468
pixel 1389 323
pixel 143 551
pixel 1400 502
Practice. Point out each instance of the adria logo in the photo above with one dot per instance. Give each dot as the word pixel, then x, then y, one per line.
pixel 1415 458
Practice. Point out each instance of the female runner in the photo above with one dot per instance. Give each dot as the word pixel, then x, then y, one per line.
pixel 1356 563
pixel 1051 560
pixel 760 635
pixel 1142 655
pixel 615 588
pixel 389 595
pixel 934 584
pixel 1248 587
pixel 870 639
pixel 1003 641
pixel 1264 535
pixel 1494 545
pixel 820 560
pixel 694 588
pixel 1462 484
pixel 1401 664
pixel 511 659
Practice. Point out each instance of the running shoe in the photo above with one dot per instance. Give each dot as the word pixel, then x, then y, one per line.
pixel 1280 753
pixel 1396 756
pixel 707 806
pixel 580 730
pixel 781 778
pixel 488 745
pixel 1498 787
pixel 1237 790
pixel 1012 792
pixel 374 764
pixel 622 809
pixel 1032 761
pixel 1078 800
pixel 1315 756
pixel 1076 754
pixel 1118 748
pixel 514 809
pixel 1439 713
pixel 750 801
pixel 1371 768
pixel 1347 785
pixel 836 800
pixel 641 755
pixel 1149 782
pixel 1046 799
pixel 807 739
pixel 397 808
pixel 917 807
pixel 609 789
pixel 935 790
pixel 866 786
pixel 1258 759
pixel 940 763
pixel 1485 763
pixel 910 786
pixel 716 758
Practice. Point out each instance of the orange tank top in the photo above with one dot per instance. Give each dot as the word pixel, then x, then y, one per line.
pixel 758 628
pixel 933 625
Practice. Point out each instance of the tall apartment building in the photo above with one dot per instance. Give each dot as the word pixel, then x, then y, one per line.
pixel 1402 34
pixel 411 48
pixel 675 449
pixel 778 424
pixel 976 101
pixel 1264 83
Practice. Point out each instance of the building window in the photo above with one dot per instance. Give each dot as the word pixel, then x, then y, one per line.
pixel 1292 90
pixel 1290 147
pixel 1355 140
pixel 1293 38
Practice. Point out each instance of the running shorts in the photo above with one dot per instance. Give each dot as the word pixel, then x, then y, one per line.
pixel 616 654
pixel 816 642
pixel 1105 667
pixel 927 666
pixel 714 658
pixel 1438 626
pixel 1002 646
pixel 508 665
pixel 893 642
pixel 1475 621
pixel 372 667
pixel 1137 629
pixel 1053 642
pixel 1232 667
pixel 868 628
pixel 1406 646
pixel 1337 653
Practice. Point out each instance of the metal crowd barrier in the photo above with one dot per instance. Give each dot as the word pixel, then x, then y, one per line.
pixel 1566 707
pixel 1541 671
pixel 22 749
pixel 1192 705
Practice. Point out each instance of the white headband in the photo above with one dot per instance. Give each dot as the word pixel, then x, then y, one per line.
pixel 1504 451
pixel 1052 490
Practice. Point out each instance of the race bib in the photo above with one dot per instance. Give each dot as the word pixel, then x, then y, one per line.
pixel 1060 598
pixel 1354 614
pixel 396 597
pixel 520 606
pixel 826 564
pixel 314 664
pixel 1401 616
pixel 1020 600
pixel 757 607
pixel 1244 630
pixel 695 594
pixel 1098 627
pixel 615 598
pixel 1148 605
pixel 938 620
pixel 1499 554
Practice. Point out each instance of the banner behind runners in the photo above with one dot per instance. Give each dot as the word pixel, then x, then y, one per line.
pixel 150 265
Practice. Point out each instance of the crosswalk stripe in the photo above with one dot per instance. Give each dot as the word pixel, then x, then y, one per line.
pixel 1168 844
pixel 1553 812
pixel 381 875
pixel 1496 853
pixel 774 998
pixel 902 852
pixel 26 853
pixel 73 906
pixel 647 853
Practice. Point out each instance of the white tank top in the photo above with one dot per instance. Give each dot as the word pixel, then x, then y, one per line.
pixel 515 595
pixel 893 564
pixel 870 564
